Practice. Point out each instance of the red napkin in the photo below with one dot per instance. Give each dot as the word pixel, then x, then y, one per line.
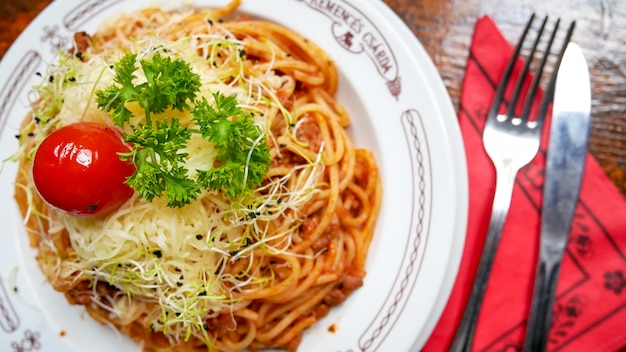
pixel 590 308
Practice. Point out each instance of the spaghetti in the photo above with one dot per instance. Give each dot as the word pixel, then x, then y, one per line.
pixel 218 274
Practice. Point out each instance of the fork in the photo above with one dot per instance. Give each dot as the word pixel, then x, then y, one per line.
pixel 511 141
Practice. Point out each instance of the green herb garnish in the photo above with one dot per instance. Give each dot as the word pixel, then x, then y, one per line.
pixel 157 146
pixel 243 154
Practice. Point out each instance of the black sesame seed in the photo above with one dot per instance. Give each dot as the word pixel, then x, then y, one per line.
pixel 199 236
pixel 158 253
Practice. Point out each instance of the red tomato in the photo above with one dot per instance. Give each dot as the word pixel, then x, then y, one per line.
pixel 77 169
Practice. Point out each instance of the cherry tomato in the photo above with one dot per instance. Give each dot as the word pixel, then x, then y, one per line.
pixel 77 169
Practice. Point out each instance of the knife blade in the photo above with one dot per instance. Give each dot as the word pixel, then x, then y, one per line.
pixel 567 150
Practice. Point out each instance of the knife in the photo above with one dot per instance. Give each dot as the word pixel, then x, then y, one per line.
pixel 567 149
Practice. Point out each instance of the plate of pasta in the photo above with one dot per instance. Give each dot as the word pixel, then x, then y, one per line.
pixel 215 175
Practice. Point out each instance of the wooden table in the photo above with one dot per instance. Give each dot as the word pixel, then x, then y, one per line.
pixel 445 28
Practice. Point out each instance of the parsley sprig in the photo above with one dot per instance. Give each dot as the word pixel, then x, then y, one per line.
pixel 169 84
pixel 158 145
pixel 156 152
pixel 244 160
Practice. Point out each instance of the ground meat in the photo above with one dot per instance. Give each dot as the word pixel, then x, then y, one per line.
pixel 285 98
pixel 352 282
pixel 103 289
pixel 335 297
pixel 310 224
pixel 331 231
pixel 222 321
pixel 83 42
pixel 321 311
pixel 292 346
pixel 321 242
pixel 81 294
pixel 309 132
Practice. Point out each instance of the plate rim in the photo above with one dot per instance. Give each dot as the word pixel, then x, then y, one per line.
pixel 446 107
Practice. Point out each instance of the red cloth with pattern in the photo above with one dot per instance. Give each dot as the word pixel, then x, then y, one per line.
pixel 590 307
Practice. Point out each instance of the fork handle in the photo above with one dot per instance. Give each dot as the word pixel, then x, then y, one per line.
pixel 505 180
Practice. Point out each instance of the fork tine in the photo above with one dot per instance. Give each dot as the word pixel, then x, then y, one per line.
pixel 497 100
pixel 522 77
pixel 528 103
pixel 549 92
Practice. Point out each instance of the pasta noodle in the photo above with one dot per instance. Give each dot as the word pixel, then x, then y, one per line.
pixel 218 274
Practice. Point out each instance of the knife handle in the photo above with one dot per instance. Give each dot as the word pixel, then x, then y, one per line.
pixel 540 318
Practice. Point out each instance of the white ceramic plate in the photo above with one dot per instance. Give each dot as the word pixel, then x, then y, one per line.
pixel 400 109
